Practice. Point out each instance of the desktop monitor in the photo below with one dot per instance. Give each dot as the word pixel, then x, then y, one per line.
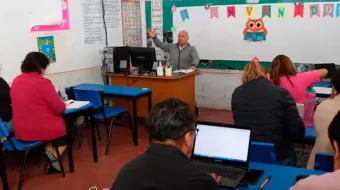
pixel 143 58
pixel 121 59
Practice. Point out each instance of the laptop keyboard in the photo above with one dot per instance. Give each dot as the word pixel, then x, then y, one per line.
pixel 227 172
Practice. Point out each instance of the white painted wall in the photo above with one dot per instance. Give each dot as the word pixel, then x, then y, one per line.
pixel 214 88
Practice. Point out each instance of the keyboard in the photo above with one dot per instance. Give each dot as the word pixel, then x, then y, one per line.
pixel 226 172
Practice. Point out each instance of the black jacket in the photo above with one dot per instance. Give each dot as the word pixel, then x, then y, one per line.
pixel 5 101
pixel 271 112
pixel 163 167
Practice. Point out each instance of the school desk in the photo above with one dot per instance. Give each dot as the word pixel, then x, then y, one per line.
pixel 181 86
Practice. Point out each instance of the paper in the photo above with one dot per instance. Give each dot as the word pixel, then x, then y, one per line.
pixel 185 14
pixel 213 12
pixel 255 31
pixel 113 18
pixel 184 71
pixel 314 10
pixel 76 104
pixel 92 21
pixel 323 90
pixel 249 12
pixel 281 12
pixel 231 11
pixel 46 46
pixel 45 12
pixel 65 25
pixel 328 10
pixel 266 11
pixel 123 64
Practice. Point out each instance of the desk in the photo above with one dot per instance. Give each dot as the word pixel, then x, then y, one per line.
pixel 121 91
pixel 181 86
pixel 283 177
pixel 72 115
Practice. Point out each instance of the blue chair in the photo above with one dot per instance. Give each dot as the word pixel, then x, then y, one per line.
pixel 102 113
pixel 263 152
pixel 324 162
pixel 12 144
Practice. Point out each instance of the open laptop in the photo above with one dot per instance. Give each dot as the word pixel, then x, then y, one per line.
pixel 224 150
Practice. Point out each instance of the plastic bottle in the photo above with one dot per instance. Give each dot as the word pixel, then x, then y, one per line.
pixel 309 107
pixel 160 69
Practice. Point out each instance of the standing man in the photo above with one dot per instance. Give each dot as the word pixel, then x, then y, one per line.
pixel 182 54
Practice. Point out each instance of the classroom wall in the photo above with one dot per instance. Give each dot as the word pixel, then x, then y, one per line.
pixel 214 88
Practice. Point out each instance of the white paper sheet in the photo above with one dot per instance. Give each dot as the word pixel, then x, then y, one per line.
pixel 45 12
pixel 322 90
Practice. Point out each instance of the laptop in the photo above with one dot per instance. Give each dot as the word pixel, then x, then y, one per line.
pixel 330 67
pixel 223 149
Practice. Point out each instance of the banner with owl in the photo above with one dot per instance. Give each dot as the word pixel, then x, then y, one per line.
pixel 255 30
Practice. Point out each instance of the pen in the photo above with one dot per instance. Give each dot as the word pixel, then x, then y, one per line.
pixel 265 182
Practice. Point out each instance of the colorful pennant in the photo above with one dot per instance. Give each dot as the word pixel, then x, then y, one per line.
pixel 249 11
pixel 314 10
pixel 299 10
pixel 266 11
pixel 337 10
pixel 213 12
pixel 281 12
pixel 185 14
pixel 231 11
pixel 328 10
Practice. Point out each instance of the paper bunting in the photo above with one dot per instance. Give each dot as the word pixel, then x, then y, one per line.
pixel 266 11
pixel 173 8
pixel 185 14
pixel 337 10
pixel 213 12
pixel 298 9
pixel 173 29
pixel 207 6
pixel 314 10
pixel 231 11
pixel 281 12
pixel 249 12
pixel 328 10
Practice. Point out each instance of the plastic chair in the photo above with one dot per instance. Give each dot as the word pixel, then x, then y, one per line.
pixel 324 162
pixel 263 152
pixel 102 113
pixel 12 144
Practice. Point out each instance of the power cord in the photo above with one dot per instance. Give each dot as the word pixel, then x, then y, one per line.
pixel 104 22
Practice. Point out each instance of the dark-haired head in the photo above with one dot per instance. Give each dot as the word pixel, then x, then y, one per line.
pixel 35 62
pixel 336 81
pixel 334 137
pixel 172 122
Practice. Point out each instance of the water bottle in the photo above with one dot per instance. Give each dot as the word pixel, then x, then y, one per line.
pixel 309 107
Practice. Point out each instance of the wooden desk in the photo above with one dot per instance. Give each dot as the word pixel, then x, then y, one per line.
pixel 181 86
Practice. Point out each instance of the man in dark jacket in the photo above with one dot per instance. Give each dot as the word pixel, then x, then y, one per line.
pixel 273 115
pixel 5 105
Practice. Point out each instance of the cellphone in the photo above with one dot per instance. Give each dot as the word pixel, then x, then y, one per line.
pixel 299 177
pixel 252 177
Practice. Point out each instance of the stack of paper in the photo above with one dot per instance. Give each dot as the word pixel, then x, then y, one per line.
pixel 184 71
pixel 322 90
pixel 71 104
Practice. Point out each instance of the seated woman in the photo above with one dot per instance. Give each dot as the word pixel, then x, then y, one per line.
pixel 37 108
pixel 283 74
pixel 5 105
pixel 270 111
pixel 323 116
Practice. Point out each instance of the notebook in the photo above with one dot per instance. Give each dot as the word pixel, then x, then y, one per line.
pixel 71 104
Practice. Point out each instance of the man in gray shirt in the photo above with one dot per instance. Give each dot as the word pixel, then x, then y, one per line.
pixel 182 54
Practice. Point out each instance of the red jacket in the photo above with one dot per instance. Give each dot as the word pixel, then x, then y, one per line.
pixel 37 108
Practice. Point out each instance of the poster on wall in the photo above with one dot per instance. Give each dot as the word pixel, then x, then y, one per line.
pixel 92 21
pixel 131 16
pixel 46 46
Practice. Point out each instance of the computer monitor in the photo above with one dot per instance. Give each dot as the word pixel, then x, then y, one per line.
pixel 225 143
pixel 329 66
pixel 121 59
pixel 143 58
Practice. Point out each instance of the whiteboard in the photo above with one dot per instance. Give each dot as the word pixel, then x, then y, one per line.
pixel 71 51
pixel 304 40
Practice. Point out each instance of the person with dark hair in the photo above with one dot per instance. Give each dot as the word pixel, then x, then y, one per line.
pixel 269 110
pixel 37 108
pixel 283 73
pixel 166 165
pixel 323 116
pixel 328 180
pixel 5 105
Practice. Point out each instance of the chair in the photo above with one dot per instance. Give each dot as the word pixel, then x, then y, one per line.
pixel 102 113
pixel 3 173
pixel 263 152
pixel 324 162
pixel 13 144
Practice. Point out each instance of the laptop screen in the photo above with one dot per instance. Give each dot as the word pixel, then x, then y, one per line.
pixel 222 143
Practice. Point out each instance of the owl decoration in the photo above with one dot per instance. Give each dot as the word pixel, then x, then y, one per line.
pixel 255 30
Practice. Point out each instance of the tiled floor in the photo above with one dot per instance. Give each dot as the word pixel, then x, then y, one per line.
pixel 87 173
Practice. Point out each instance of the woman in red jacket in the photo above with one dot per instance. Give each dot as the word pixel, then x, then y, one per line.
pixel 37 108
